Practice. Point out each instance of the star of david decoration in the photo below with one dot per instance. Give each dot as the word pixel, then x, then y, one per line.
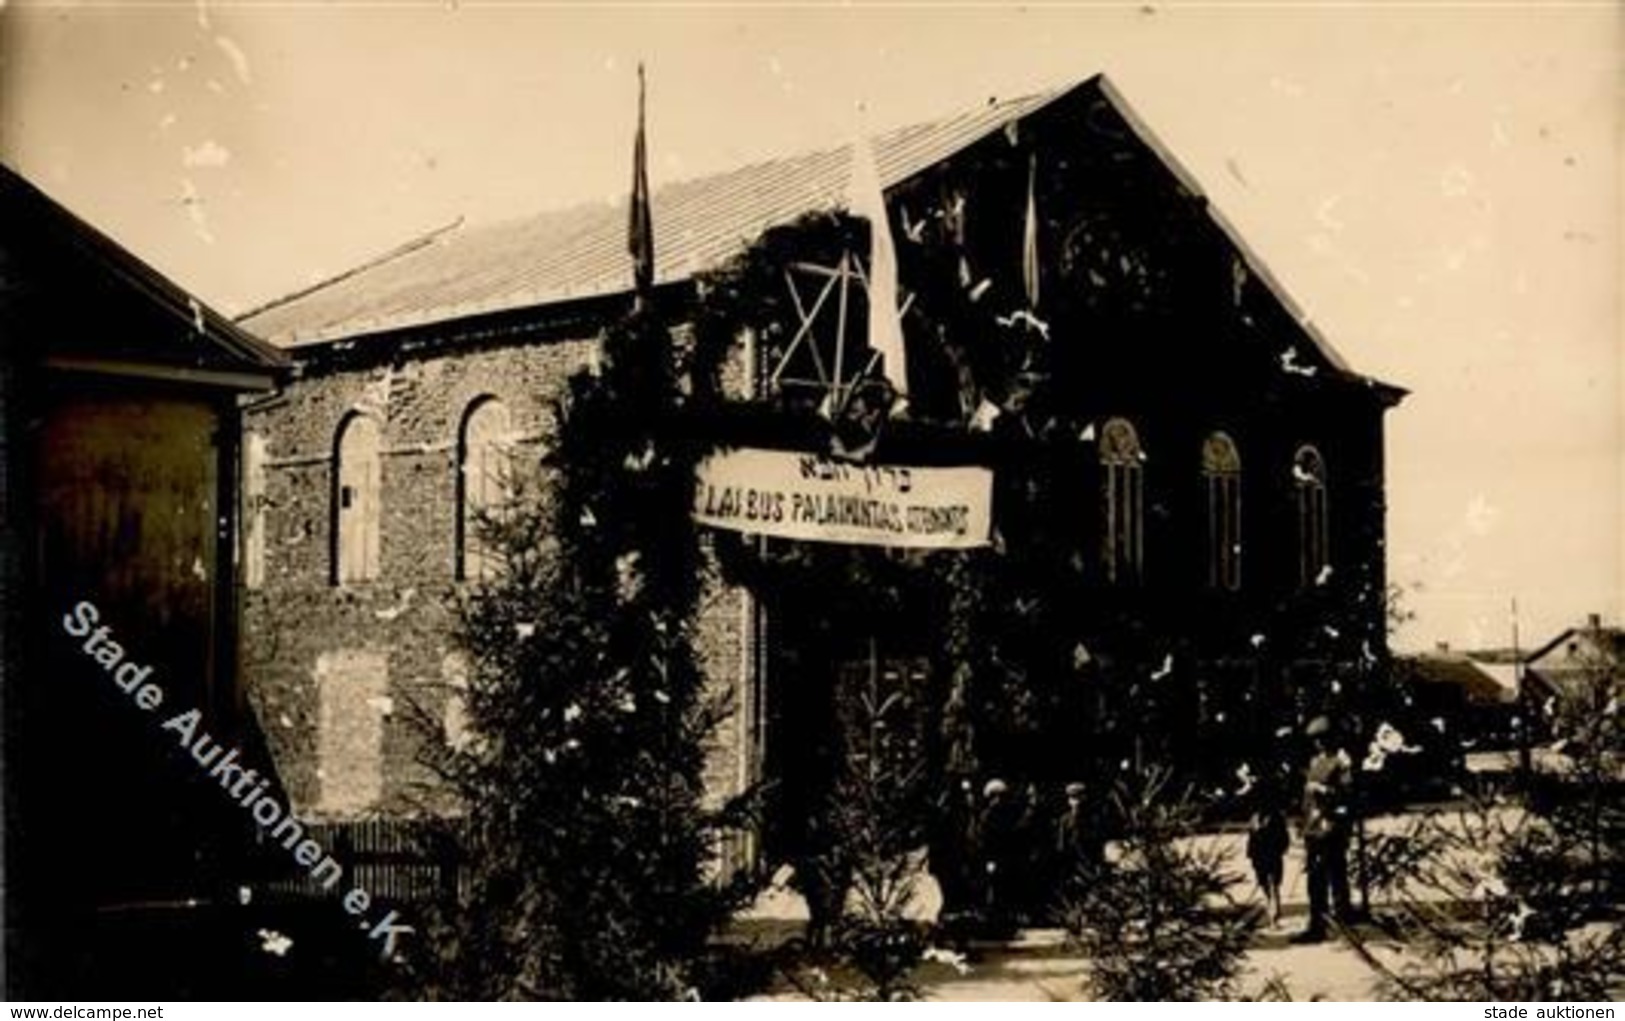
pixel 828 357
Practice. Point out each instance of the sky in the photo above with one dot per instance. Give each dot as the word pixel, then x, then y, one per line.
pixel 1437 185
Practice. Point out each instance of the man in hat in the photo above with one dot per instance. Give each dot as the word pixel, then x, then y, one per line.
pixel 995 839
pixel 1079 843
pixel 1326 828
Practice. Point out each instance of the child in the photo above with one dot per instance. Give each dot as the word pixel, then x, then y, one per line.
pixel 1266 849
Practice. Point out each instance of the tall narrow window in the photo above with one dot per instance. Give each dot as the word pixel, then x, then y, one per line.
pixel 1221 474
pixel 253 510
pixel 357 486
pixel 1309 481
pixel 1122 540
pixel 484 460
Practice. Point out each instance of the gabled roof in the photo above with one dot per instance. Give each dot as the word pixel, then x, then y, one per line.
pixel 57 248
pixel 1477 684
pixel 581 252
pixel 1608 640
pixel 1574 674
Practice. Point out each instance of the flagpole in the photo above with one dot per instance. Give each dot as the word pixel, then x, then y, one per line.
pixel 640 227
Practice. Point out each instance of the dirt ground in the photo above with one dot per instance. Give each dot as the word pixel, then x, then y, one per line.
pixel 1039 966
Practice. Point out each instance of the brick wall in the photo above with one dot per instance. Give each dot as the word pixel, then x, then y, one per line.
pixel 348 681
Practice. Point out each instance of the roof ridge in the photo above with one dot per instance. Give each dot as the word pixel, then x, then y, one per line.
pixel 897 153
pixel 823 150
pixel 389 255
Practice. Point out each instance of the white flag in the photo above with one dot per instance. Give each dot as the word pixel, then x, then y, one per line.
pixel 865 199
pixel 1029 238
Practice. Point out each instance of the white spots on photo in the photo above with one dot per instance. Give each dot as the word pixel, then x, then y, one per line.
pixel 1455 257
pixel 1287 87
pixel 1234 169
pixel 1480 516
pixel 1324 214
pixel 192 202
pixel 389 613
pixel 1289 364
pixel 239 59
pixel 274 943
pixel 206 154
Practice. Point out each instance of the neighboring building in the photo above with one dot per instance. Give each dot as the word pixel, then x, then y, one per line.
pixel 1577 667
pixel 120 394
pixel 1212 470
pixel 1465 703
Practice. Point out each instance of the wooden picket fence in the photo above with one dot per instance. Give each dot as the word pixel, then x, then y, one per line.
pixel 397 861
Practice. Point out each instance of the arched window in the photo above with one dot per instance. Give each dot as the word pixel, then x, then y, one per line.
pixel 484 460
pixel 1221 475
pixel 1123 538
pixel 357 506
pixel 1309 482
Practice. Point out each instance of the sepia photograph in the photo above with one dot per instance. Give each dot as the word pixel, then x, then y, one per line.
pixel 895 501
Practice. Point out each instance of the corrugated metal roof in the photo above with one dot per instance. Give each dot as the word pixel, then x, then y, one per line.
pixel 581 252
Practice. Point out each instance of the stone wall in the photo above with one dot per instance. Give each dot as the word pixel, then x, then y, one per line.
pixel 350 680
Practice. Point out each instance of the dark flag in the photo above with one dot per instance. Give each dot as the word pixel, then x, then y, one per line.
pixel 640 239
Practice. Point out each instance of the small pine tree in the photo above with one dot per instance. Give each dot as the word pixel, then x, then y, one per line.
pixel 1468 927
pixel 1507 898
pixel 1159 922
pixel 1583 861
pixel 871 829
pixel 879 829
pixel 585 840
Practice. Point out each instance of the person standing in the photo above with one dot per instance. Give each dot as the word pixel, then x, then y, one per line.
pixel 995 833
pixel 1080 847
pixel 1267 841
pixel 1327 818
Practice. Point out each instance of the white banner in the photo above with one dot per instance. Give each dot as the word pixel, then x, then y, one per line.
pixel 807 496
